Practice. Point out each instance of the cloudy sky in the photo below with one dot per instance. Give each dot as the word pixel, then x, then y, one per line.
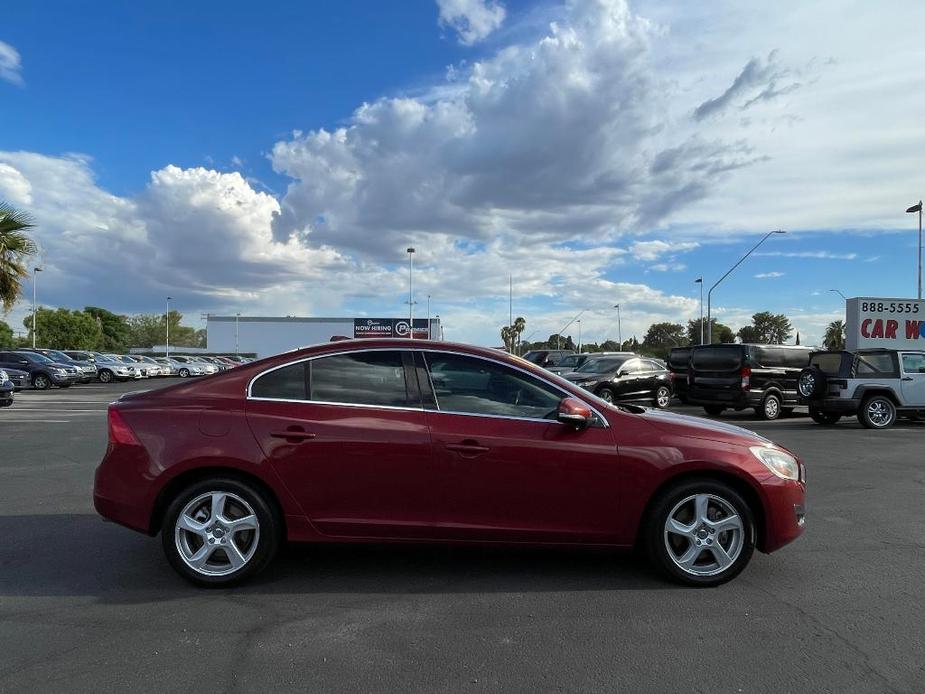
pixel 278 158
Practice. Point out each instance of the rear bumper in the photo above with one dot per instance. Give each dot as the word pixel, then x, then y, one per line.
pixel 840 405
pixel 737 400
pixel 120 492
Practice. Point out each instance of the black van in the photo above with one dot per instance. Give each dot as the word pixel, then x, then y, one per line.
pixel 678 362
pixel 740 376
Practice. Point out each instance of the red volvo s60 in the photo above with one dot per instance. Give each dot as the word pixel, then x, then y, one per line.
pixel 412 440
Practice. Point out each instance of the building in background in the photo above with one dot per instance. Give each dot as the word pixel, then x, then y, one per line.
pixel 266 335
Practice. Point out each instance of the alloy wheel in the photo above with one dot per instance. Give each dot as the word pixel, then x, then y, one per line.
pixel 704 535
pixel 880 413
pixel 606 395
pixel 41 382
pixel 662 397
pixel 807 384
pixel 217 533
pixel 771 407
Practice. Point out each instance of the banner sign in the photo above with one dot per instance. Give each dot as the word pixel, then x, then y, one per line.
pixel 888 323
pixel 389 327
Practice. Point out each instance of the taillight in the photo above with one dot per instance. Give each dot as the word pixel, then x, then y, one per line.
pixel 119 431
pixel 746 377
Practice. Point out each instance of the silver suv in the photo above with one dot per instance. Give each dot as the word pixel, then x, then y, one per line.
pixel 876 385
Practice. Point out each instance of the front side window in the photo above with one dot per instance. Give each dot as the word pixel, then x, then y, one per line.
pixel 476 386
pixel 914 363
pixel 360 378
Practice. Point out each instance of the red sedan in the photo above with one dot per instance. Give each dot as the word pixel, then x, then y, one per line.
pixel 410 440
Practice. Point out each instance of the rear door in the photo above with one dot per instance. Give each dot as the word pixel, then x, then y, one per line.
pixel 511 471
pixel 716 372
pixel 347 435
pixel 913 379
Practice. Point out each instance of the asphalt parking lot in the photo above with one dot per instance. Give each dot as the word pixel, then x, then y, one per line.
pixel 86 605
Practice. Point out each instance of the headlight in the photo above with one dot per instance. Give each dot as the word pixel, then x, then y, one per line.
pixel 3 377
pixel 61 372
pixel 781 464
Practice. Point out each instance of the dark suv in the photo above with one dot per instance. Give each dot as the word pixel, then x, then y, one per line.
pixel 547 357
pixel 737 377
pixel 625 378
pixel 678 363
pixel 43 372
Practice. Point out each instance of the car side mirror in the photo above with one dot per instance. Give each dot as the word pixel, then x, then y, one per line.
pixel 574 412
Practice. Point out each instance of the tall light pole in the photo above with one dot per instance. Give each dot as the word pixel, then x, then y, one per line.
pixel 619 327
pixel 699 281
pixel 167 324
pixel 918 208
pixel 428 317
pixel 729 272
pixel 410 251
pixel 579 335
pixel 559 334
pixel 35 327
pixel 236 317
pixel 839 293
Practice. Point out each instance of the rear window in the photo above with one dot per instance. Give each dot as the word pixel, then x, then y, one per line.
pixel 717 358
pixel 827 363
pixel 678 358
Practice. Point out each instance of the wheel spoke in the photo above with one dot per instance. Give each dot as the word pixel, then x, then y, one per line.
pixel 678 528
pixel 184 522
pixel 235 558
pixel 701 503
pixel 239 524
pixel 724 524
pixel 722 557
pixel 686 560
pixel 201 556
pixel 218 506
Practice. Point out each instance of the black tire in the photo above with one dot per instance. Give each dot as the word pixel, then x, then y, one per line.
pixel 714 410
pixel 662 397
pixel 770 407
pixel 184 373
pixel 811 383
pixel 105 376
pixel 656 539
pixel 41 382
pixel 877 412
pixel 266 538
pixel 823 418
pixel 606 394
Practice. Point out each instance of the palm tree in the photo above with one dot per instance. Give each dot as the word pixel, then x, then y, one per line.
pixel 15 248
pixel 835 335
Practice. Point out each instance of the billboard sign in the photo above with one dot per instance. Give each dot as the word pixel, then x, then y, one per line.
pixel 889 323
pixel 389 327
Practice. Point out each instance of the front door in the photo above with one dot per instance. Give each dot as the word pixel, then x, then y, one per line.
pixel 348 436
pixel 913 379
pixel 511 471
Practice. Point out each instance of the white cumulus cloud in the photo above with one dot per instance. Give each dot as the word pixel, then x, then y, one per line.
pixel 10 64
pixel 472 20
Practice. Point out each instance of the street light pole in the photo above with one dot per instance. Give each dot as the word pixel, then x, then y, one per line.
pixel 619 326
pixel 236 317
pixel 35 271
pixel 167 325
pixel 699 281
pixel 729 272
pixel 918 208
pixel 559 334
pixel 579 335
pixel 839 293
pixel 410 292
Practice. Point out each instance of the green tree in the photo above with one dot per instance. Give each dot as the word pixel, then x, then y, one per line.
pixel 64 329
pixel 6 336
pixel 661 337
pixel 115 329
pixel 15 249
pixel 720 333
pixel 767 328
pixel 835 335
pixel 149 329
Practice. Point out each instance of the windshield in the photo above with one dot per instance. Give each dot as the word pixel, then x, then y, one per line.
pixel 36 358
pixel 571 361
pixel 59 356
pixel 534 357
pixel 601 365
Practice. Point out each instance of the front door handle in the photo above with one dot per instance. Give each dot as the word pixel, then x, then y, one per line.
pixel 293 435
pixel 467 450
pixel 908 378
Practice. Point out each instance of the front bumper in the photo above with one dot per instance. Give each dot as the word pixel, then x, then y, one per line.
pixel 784 511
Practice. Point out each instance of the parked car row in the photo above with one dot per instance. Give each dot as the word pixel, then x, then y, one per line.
pixel 43 368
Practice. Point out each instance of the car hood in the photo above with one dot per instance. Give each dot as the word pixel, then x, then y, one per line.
pixel 700 428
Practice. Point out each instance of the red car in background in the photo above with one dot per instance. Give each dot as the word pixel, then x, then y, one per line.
pixel 412 440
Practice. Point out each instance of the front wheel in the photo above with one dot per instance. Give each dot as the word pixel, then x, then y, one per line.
pixel 701 533
pixel 877 412
pixel 41 382
pixel 662 397
pixel 219 531
pixel 105 376
pixel 606 394
pixel 184 373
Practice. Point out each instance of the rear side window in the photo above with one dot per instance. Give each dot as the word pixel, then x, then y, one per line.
pixel 875 364
pixel 829 364
pixel 286 383
pixel 361 378
pixel 678 358
pixel 717 358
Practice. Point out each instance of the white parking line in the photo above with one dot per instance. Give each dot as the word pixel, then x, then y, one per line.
pixel 52 409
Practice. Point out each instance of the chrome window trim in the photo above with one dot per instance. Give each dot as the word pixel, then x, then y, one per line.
pixel 398 348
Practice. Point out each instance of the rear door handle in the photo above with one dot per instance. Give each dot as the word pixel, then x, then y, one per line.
pixel 293 435
pixel 467 450
pixel 908 378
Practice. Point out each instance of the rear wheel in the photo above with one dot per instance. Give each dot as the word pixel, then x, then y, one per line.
pixel 184 373
pixel 824 418
pixel 662 397
pixel 41 382
pixel 713 410
pixel 700 532
pixel 105 376
pixel 877 412
pixel 605 394
pixel 220 531
pixel 771 408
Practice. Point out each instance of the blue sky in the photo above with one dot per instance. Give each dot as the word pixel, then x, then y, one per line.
pixel 278 158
